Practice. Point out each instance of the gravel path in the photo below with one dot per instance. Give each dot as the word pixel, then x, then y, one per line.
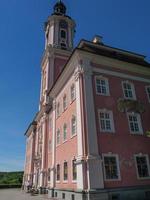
pixel 17 194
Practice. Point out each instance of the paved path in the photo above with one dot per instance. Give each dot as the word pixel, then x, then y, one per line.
pixel 17 194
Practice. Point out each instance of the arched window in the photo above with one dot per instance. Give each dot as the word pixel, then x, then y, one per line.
pixel 73 125
pixel 58 172
pixel 65 171
pixel 65 132
pixel 74 170
pixel 58 137
pixel 72 93
pixel 63 34
pixel 58 109
pixel 64 102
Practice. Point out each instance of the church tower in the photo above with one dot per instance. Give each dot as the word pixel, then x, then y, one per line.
pixel 59 36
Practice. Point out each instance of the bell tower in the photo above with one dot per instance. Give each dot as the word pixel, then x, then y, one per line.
pixel 59 36
pixel 59 29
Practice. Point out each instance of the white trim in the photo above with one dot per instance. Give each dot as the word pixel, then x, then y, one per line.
pixel 58 181
pixel 140 132
pixel 118 166
pixel 104 110
pixel 106 84
pixel 65 181
pixel 148 94
pixel 148 165
pixel 72 99
pixel 132 90
pixel 121 75
pixel 65 105
pixel 73 181
pixel 57 144
pixel 65 126
pixel 72 135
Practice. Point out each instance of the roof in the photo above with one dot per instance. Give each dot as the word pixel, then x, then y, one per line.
pixel 116 53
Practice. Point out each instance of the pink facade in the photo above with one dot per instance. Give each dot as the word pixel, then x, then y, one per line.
pixel 91 135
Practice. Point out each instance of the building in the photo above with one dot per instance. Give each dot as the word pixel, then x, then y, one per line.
pixel 90 138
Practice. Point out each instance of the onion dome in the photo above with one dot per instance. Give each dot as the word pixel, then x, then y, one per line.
pixel 60 8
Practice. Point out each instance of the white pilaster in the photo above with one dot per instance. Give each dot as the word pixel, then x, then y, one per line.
pixel 52 182
pixel 94 164
pixel 80 175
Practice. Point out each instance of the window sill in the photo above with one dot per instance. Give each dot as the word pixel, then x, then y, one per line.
pixel 105 95
pixel 74 135
pixel 65 181
pixel 144 178
pixel 65 141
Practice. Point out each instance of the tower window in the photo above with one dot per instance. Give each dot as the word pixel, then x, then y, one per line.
pixel 63 34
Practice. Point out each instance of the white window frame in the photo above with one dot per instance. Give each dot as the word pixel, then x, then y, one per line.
pixel 65 181
pixel 58 181
pixel 72 135
pixel 57 144
pixel 118 166
pixel 111 120
pixel 58 109
pixel 148 165
pixel 72 97
pixel 63 40
pixel 65 126
pixel 64 102
pixel 132 90
pixel 73 181
pixel 137 115
pixel 148 94
pixel 106 84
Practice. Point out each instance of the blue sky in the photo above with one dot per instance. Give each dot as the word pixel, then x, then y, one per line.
pixel 123 24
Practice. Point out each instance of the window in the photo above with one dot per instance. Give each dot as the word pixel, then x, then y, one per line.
pixel 106 121
pixel 63 34
pixel 111 167
pixel 58 109
pixel 148 92
pixel 58 137
pixel 72 91
pixel 65 171
pixel 102 86
pixel 64 102
pixel 134 121
pixel 65 132
pixel 73 125
pixel 128 90
pixel 58 172
pixel 142 165
pixel 74 170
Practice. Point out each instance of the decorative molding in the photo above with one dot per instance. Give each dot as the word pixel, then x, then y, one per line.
pixel 128 105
